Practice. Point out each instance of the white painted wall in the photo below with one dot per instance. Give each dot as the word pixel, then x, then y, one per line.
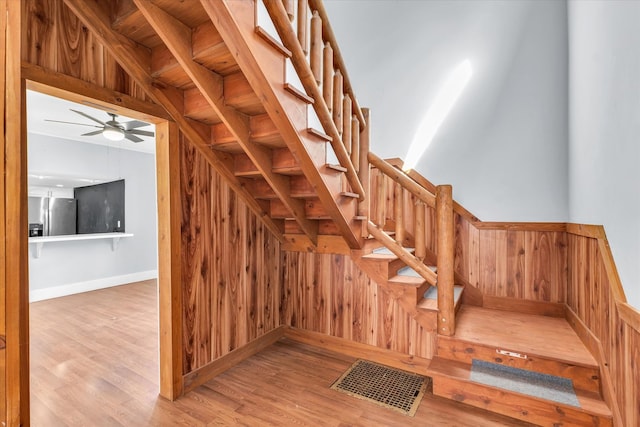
pixel 66 267
pixel 604 123
pixel 504 145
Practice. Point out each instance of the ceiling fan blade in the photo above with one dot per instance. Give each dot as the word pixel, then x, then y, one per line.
pixel 95 132
pixel 71 123
pixel 139 132
pixel 134 124
pixel 132 138
pixel 87 116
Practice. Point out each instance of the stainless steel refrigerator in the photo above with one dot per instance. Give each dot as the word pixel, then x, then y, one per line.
pixel 56 215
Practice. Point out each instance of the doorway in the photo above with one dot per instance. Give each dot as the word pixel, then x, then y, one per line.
pixel 167 251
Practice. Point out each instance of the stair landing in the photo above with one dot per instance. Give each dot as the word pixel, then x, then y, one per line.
pixel 552 337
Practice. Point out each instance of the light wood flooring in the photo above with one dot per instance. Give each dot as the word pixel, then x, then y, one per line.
pixel 94 362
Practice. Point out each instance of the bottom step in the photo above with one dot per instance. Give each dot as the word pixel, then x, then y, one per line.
pixel 453 380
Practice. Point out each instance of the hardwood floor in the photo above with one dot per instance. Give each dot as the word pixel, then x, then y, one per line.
pixel 94 362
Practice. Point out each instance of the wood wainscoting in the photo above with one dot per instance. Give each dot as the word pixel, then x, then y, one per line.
pixel 231 267
pixel 330 295
pixel 610 327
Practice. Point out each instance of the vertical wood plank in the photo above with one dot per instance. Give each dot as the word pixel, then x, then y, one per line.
pixel 337 296
pixel 515 263
pixel 488 261
pixel 4 393
pixel 169 266
pixel 462 246
pixel 16 274
pixel 538 261
pixel 501 262
pixel 40 41
pixel 474 255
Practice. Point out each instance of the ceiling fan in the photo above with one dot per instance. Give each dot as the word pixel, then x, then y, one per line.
pixel 112 130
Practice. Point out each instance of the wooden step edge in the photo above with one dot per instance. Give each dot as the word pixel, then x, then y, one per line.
pixel 288 170
pixel 319 134
pixel 349 194
pixel 360 218
pixel 273 41
pixel 531 355
pixel 298 93
pixel 456 349
pixel 304 195
pixel 247 174
pixel 455 376
pixel 336 167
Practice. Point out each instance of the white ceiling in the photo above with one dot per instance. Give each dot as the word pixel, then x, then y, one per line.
pixel 41 107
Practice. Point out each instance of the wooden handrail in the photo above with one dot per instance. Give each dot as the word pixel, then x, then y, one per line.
pixel 288 36
pixel 403 179
pixel 329 37
pixel 406 256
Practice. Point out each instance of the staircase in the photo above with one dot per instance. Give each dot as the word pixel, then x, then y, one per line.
pixel 272 110
pixel 507 339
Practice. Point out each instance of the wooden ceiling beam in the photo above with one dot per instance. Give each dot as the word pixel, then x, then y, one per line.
pixel 136 62
pixel 177 38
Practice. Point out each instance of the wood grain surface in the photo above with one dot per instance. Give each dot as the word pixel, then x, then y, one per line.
pixel 230 266
pixel 94 362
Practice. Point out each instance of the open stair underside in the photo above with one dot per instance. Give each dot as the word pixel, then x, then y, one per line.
pixel 222 78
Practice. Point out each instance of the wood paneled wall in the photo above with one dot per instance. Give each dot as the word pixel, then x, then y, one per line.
pixel 56 40
pixel 517 260
pixel 231 267
pixel 524 261
pixel 594 295
pixel 329 294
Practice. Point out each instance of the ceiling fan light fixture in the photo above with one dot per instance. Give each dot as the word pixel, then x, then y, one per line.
pixel 113 133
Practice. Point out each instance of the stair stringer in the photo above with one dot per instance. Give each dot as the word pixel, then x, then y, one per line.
pixel 264 68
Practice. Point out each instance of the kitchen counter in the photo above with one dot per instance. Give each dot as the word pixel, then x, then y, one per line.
pixel 40 241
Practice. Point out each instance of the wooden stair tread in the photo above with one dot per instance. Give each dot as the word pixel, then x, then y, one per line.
pixel 451 379
pixel 319 134
pixel 277 44
pixel 336 168
pixel 349 194
pixel 298 93
pixel 505 329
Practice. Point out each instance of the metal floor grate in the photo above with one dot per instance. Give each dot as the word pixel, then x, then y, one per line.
pixel 388 387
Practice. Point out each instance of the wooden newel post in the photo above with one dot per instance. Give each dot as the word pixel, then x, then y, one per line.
pixel 445 234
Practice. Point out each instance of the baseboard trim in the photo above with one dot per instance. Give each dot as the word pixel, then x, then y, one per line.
pixel 383 356
pixel 90 285
pixel 594 345
pixel 229 360
pixel 540 308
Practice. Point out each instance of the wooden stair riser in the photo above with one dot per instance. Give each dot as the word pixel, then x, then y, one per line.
pixel 383 269
pixel 584 378
pixel 208 49
pixel 515 405
pixel 237 94
pixel 313 210
pixel 262 131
